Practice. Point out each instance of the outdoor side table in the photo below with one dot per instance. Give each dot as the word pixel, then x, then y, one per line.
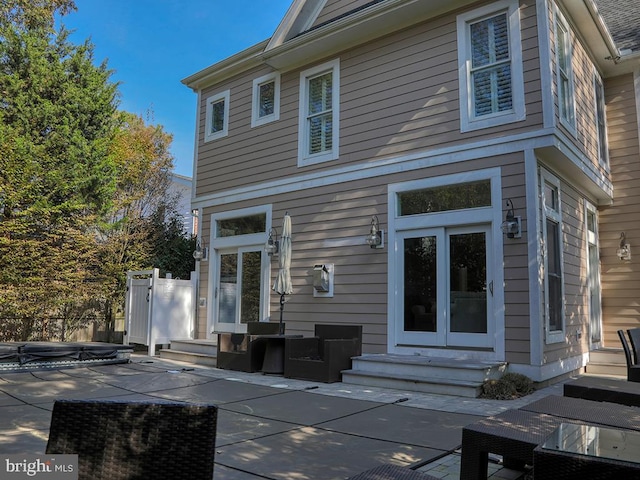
pixel 575 451
pixel 514 434
pixel 274 353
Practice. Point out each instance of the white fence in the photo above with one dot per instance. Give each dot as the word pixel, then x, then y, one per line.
pixel 158 310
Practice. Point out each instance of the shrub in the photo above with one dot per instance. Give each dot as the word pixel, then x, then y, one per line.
pixel 507 387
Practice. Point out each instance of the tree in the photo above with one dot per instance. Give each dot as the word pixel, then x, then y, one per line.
pixel 143 163
pixel 56 177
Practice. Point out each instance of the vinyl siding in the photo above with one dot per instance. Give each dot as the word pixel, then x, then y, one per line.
pixel 399 95
pixel 329 226
pixel 335 8
pixel 620 280
pixel 585 136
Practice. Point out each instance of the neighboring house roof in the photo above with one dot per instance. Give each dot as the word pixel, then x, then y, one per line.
pixel 623 20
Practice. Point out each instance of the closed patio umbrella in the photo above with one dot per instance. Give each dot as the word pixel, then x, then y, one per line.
pixel 282 284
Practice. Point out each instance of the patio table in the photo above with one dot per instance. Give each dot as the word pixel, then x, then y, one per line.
pixel 576 451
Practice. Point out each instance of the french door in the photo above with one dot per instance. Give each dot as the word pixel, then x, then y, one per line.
pixel 238 288
pixel 445 287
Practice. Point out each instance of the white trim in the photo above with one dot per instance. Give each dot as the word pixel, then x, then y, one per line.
pixel 485 215
pixel 540 373
pixel 555 336
pixel 534 248
pixel 569 123
pixel 592 239
pixel 210 101
pixel 546 63
pixel 239 241
pixel 256 120
pixel 636 84
pixel 598 84
pixel 304 158
pixel 518 113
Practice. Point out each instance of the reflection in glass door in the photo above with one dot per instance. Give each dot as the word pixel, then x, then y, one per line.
pixel 238 288
pixel 446 287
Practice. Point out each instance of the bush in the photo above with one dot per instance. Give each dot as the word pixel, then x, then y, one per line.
pixel 507 387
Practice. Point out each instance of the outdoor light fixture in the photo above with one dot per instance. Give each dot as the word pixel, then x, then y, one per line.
pixel 200 253
pixel 511 226
pixel 624 252
pixel 375 239
pixel 272 247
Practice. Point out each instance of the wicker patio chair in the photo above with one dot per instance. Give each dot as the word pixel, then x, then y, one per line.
pixel 391 472
pixel 634 337
pixel 118 440
pixel 633 370
pixel 323 357
pixel 245 352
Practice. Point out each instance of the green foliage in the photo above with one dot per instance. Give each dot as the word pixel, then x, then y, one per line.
pixel 507 387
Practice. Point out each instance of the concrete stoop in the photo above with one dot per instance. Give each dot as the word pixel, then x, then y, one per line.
pixel 607 361
pixel 198 352
pixel 447 376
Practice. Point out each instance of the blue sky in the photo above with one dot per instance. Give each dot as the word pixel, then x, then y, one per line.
pixel 153 44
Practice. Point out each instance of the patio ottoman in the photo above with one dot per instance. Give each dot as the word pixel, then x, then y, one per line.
pixel 391 472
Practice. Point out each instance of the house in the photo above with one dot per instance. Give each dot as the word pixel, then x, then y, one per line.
pixel 180 188
pixel 494 144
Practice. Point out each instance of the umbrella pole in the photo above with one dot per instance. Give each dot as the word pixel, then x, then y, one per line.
pixel 280 329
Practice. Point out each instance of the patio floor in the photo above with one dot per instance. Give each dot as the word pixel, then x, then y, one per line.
pixel 269 427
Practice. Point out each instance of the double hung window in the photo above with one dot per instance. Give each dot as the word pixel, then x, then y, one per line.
pixel 564 78
pixel 490 66
pixel 319 114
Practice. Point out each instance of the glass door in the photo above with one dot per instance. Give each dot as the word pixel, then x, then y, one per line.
pixel 593 266
pixel 445 287
pixel 238 288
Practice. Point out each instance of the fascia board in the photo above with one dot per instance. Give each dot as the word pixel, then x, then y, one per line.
pixel 363 26
pixel 238 63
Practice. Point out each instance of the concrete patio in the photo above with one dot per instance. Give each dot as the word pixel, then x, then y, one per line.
pixel 269 427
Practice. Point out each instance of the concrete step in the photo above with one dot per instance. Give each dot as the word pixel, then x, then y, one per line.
pixel 205 347
pixel 607 361
pixel 412 384
pixel 423 374
pixel 189 357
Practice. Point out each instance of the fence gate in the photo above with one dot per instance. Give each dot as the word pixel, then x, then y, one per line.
pixel 158 310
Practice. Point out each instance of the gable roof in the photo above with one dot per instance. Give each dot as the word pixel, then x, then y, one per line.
pixel 623 20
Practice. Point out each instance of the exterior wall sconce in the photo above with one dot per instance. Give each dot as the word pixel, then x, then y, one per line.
pixel 512 225
pixel 624 252
pixel 200 253
pixel 375 239
pixel 272 247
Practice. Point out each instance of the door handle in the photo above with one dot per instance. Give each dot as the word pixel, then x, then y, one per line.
pixel 491 287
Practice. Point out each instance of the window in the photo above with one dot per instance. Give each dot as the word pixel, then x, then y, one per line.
pixel 319 114
pixel 266 99
pixel 217 116
pixel 566 102
pixel 490 66
pixel 601 121
pixel 552 253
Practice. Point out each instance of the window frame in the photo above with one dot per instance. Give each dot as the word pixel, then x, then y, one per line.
pixel 209 102
pixel 256 119
pixel 564 74
pixel 468 120
pixel 554 215
pixel 305 158
pixel 601 119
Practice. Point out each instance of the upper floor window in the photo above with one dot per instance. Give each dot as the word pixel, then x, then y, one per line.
pixel 601 120
pixel 552 252
pixel 490 66
pixel 217 116
pixel 266 99
pixel 319 114
pixel 566 100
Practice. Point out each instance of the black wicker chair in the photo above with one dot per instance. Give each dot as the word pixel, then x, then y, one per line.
pixel 634 337
pixel 633 369
pixel 323 357
pixel 118 440
pixel 245 352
